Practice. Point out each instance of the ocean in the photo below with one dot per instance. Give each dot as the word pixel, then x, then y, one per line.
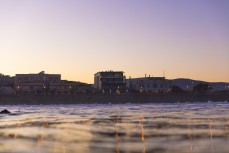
pixel 116 128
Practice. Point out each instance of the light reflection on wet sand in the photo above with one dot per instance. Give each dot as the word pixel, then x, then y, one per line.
pixel 130 128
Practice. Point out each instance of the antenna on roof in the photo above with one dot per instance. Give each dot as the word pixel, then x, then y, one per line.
pixel 164 73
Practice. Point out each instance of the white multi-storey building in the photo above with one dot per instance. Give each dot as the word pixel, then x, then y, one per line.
pixel 149 84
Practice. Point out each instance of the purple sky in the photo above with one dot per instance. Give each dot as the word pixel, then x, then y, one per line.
pixel 77 38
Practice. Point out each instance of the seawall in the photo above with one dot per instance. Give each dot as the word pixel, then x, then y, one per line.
pixel 111 98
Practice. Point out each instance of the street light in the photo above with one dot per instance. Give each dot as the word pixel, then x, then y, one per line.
pixel 118 90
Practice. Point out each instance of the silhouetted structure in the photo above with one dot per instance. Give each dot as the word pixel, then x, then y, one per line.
pixel 6 80
pixel 202 88
pixel 39 77
pixel 42 83
pixel 176 89
pixel 6 84
pixel 148 84
pixel 110 81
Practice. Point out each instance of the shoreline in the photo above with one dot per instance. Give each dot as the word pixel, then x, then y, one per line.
pixel 112 98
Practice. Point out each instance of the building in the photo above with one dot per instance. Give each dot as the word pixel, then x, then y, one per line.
pixel 7 90
pixel 110 81
pixel 6 84
pixel 42 83
pixel 86 88
pixel 6 80
pixel 39 77
pixel 149 84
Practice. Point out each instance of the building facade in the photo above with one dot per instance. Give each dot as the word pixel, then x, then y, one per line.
pixel 110 81
pixel 149 84
pixel 6 85
pixel 42 83
pixel 6 80
pixel 39 77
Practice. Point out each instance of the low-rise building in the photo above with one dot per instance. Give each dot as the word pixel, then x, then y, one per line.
pixel 42 83
pixel 110 81
pixel 39 77
pixel 6 90
pixel 148 84
pixel 6 84
pixel 6 80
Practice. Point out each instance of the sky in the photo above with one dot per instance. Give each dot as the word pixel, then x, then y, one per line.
pixel 77 38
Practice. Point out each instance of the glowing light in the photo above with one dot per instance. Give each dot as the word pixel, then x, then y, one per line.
pixel 143 135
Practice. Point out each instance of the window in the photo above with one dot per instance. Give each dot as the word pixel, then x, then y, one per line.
pixel 116 74
pixel 154 85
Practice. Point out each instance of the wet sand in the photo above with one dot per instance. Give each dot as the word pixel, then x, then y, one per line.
pixel 111 98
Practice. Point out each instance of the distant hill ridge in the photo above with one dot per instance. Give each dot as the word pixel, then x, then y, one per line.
pixel 188 84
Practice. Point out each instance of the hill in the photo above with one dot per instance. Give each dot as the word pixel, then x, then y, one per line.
pixel 188 84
